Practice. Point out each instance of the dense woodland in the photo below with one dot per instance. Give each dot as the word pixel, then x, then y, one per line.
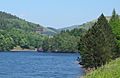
pixel 66 41
pixel 17 32
pixel 101 43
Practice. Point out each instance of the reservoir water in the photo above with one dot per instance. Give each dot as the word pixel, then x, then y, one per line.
pixel 39 65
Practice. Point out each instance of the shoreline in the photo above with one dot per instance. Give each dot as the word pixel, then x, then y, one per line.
pixel 13 50
pixel 35 50
pixel 38 51
pixel 19 49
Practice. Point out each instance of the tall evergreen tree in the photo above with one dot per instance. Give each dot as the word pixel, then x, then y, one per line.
pixel 96 47
pixel 115 25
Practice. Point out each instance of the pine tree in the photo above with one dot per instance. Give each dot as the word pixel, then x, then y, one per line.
pixel 96 47
pixel 115 25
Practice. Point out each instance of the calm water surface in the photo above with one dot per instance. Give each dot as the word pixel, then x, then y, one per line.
pixel 39 65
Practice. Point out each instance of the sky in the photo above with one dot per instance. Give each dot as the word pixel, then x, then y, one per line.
pixel 59 13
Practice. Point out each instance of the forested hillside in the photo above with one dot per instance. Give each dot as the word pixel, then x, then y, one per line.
pixel 85 26
pixel 65 41
pixel 68 38
pixel 18 32
pixel 15 31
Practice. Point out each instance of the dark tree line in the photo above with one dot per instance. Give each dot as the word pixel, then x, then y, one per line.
pixel 100 44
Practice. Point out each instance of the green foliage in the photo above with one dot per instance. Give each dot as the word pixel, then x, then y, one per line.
pixel 110 70
pixel 6 42
pixel 97 46
pixel 115 24
pixel 14 37
pixel 7 15
pixel 85 26
pixel 66 41
pixel 17 32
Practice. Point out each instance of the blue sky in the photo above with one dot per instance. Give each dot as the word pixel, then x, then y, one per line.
pixel 59 13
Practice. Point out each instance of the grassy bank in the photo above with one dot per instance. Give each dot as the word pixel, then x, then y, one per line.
pixel 111 70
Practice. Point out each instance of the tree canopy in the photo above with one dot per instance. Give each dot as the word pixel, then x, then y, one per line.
pixel 97 46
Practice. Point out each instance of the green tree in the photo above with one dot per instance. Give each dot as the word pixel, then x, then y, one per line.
pixel 115 25
pixel 66 41
pixel 97 46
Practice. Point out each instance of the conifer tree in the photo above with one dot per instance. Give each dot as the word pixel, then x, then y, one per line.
pixel 96 47
pixel 115 25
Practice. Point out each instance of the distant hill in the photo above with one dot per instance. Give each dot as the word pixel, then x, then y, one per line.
pixel 8 21
pixel 86 25
pixel 49 31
